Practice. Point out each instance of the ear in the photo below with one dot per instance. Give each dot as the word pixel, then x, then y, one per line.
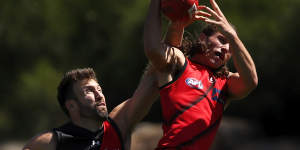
pixel 203 41
pixel 202 37
pixel 71 105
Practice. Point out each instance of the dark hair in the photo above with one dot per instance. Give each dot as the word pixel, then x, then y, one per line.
pixel 191 46
pixel 65 88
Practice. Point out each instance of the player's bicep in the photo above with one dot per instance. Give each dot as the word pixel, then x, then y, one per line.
pixel 236 88
pixel 165 58
pixel 131 111
pixel 144 96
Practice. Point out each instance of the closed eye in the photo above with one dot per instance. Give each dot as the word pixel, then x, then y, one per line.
pixel 99 89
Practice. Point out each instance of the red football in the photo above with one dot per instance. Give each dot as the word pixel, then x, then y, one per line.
pixel 178 9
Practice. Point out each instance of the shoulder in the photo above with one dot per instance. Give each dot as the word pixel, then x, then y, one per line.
pixel 179 57
pixel 233 75
pixel 236 89
pixel 42 141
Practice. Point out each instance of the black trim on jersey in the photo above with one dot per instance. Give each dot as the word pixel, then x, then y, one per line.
pixel 185 108
pixel 178 147
pixel 200 134
pixel 115 126
pixel 177 75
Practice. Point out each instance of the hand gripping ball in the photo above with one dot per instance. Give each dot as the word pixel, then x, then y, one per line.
pixel 178 9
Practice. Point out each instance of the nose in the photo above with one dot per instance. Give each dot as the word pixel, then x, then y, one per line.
pixel 224 49
pixel 98 95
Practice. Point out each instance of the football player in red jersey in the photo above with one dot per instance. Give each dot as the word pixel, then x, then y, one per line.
pixel 195 88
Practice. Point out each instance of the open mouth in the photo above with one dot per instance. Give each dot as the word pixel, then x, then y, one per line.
pixel 100 104
pixel 220 55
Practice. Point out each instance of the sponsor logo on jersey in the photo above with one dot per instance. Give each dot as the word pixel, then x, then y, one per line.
pixel 211 79
pixel 96 142
pixel 194 83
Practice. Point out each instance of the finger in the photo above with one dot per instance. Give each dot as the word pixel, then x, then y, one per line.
pixel 210 21
pixel 202 13
pixel 216 7
pixel 213 13
pixel 200 18
pixel 200 7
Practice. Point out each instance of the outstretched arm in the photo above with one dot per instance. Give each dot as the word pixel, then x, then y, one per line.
pixel 161 56
pixel 133 110
pixel 240 84
pixel 174 34
pixel 166 57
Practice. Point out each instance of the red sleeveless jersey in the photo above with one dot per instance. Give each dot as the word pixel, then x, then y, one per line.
pixel 112 139
pixel 192 107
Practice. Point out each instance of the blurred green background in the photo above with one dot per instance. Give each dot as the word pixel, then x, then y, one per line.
pixel 41 39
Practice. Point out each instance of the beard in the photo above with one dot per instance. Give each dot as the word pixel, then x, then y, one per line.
pixel 93 112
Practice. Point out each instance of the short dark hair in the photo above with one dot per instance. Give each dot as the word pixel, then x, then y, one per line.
pixel 65 88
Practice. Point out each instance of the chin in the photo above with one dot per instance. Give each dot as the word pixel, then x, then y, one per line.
pixel 103 114
pixel 215 65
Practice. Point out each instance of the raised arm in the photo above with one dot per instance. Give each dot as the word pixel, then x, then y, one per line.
pixel 165 56
pixel 174 34
pixel 133 110
pixel 162 56
pixel 240 84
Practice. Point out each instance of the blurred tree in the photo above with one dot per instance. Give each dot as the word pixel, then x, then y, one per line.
pixel 36 106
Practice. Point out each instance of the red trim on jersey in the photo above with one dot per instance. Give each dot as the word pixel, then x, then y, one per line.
pixel 112 139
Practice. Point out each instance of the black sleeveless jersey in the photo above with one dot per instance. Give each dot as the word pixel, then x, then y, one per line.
pixel 72 137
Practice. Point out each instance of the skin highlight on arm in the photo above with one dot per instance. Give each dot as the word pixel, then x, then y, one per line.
pixel 43 141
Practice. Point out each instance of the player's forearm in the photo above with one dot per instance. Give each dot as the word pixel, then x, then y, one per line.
pixel 174 34
pixel 152 29
pixel 140 103
pixel 243 62
pixel 143 106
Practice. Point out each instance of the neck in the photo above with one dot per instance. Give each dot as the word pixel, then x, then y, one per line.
pixel 87 123
pixel 217 71
pixel 197 59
